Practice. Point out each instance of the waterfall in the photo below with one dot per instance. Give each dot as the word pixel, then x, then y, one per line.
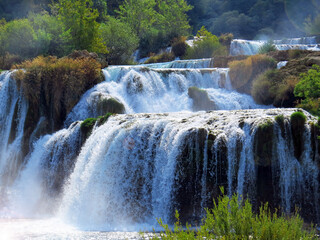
pixel 135 168
pixel 251 47
pixel 142 89
pixel 36 190
pixel 13 110
pixel 158 155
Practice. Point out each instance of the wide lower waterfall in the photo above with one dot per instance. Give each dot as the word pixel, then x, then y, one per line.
pixel 251 47
pixel 135 168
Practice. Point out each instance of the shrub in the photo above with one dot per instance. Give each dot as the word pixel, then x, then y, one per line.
pixel 233 218
pixel 163 57
pixel 226 39
pixel 120 39
pixel 243 72
pixel 207 45
pixel 56 85
pixel 267 47
pixel 298 120
pixel 179 46
pixel 309 89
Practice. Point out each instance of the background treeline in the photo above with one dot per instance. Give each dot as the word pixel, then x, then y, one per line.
pixel 116 28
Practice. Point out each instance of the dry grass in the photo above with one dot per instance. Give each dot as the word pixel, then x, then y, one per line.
pixel 56 85
pixel 243 72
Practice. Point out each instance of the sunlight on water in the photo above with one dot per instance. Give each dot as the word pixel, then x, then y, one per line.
pixel 21 229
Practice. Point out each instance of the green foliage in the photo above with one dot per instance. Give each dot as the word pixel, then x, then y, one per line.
pixel 179 46
pixel 120 39
pixel 155 22
pixel 20 37
pixel 267 47
pixel 205 46
pixel 87 125
pixel 309 86
pixel 298 118
pixel 309 89
pixel 279 119
pixel 233 218
pixel 163 57
pixel 52 37
pixel 80 20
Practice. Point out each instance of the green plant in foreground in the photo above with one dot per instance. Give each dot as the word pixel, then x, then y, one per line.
pixel 233 218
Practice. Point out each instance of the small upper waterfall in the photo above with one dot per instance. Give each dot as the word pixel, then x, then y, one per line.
pixel 157 88
pixel 251 47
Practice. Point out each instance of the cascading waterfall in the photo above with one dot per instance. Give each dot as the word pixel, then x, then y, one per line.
pixel 157 157
pixel 13 110
pixel 142 89
pixel 36 190
pixel 251 47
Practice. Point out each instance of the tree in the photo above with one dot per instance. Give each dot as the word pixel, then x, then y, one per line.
pixel 80 19
pixel 120 39
pixel 20 37
pixel 139 14
pixel 173 18
pixel 309 86
pixel 51 35
pixel 312 27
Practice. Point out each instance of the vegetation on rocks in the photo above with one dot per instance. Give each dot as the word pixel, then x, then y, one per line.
pixel 54 86
pixel 267 47
pixel 308 89
pixel 163 57
pixel 298 120
pixel 205 46
pixel 233 218
pixel 242 73
pixel 88 124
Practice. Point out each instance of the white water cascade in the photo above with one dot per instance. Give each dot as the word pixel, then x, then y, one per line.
pixel 156 157
pixel 251 47
pixel 155 89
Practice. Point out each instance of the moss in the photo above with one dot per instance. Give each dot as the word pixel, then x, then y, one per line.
pixel 110 105
pixel 279 119
pixel 298 120
pixel 263 143
pixel 87 126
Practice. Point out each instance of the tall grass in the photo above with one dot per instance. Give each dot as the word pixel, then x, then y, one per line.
pixel 233 218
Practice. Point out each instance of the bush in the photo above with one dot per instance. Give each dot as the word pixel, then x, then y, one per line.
pixel 267 47
pixel 298 120
pixel 243 72
pixel 56 85
pixel 179 46
pixel 120 40
pixel 206 45
pixel 309 89
pixel 163 57
pixel 233 218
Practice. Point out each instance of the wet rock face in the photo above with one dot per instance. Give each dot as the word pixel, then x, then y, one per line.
pixel 201 100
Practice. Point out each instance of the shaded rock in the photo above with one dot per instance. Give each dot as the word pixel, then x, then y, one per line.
pixel 201 100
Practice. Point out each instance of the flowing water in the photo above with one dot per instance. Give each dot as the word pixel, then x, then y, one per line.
pixel 251 47
pixel 157 157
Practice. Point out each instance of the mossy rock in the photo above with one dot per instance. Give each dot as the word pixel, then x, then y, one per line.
pixel 298 119
pixel 263 143
pixel 201 100
pixel 87 126
pixel 110 105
